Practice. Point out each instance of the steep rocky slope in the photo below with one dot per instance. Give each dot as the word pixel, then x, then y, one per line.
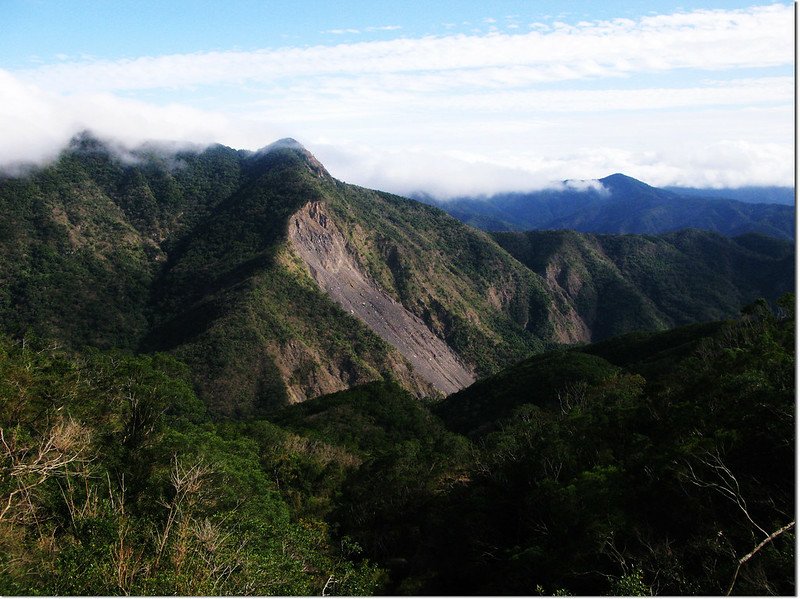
pixel 317 239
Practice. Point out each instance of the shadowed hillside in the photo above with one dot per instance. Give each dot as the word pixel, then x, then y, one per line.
pixel 622 283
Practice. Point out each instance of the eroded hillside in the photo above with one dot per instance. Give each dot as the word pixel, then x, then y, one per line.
pixel 319 241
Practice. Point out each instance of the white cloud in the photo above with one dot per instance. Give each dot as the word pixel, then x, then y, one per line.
pixel 755 37
pixel 341 31
pixel 730 163
pixel 35 124
pixel 586 185
pixel 456 114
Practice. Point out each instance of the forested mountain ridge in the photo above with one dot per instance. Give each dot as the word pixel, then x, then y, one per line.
pixel 276 283
pixel 750 194
pixel 188 251
pixel 622 283
pixel 620 204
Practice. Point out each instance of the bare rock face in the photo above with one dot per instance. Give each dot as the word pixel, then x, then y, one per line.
pixel 320 243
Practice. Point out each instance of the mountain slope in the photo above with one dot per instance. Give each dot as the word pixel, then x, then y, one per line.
pixel 279 304
pixel 321 245
pixel 274 281
pixel 622 283
pixel 620 204
pixel 189 252
pixel 749 194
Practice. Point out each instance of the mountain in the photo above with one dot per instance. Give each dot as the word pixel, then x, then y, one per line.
pixel 648 463
pixel 277 283
pixel 225 258
pixel 615 284
pixel 619 204
pixel 750 194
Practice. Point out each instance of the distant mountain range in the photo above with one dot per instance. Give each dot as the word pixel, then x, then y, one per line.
pixel 622 204
pixel 750 194
pixel 276 283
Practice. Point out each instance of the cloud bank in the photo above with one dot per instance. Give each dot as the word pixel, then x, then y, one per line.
pixel 701 98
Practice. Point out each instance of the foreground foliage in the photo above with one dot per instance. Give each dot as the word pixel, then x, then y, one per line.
pixel 678 483
pixel 646 464
pixel 113 481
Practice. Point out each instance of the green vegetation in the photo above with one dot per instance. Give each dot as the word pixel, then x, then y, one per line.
pixel 114 481
pixel 623 283
pixel 651 463
pixel 157 334
pixel 610 482
pixel 657 463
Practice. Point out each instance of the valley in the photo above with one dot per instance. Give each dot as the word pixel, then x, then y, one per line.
pixel 228 372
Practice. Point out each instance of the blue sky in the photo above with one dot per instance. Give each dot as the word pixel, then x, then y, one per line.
pixel 39 30
pixel 444 97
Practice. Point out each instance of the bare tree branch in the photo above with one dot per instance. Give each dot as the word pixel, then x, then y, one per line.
pixel 744 559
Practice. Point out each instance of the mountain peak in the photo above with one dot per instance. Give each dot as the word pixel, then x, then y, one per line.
pixel 289 143
pixel 623 184
pixel 87 141
pixel 286 142
pixel 621 179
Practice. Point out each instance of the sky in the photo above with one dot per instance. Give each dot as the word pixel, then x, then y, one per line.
pixel 441 97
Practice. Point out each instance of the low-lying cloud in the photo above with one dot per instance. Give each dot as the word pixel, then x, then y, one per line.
pixel 586 185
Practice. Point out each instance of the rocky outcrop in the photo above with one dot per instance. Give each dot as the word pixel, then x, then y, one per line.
pixel 320 243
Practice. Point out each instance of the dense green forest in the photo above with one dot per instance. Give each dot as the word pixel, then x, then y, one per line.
pixel 649 463
pixel 186 252
pixel 184 410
